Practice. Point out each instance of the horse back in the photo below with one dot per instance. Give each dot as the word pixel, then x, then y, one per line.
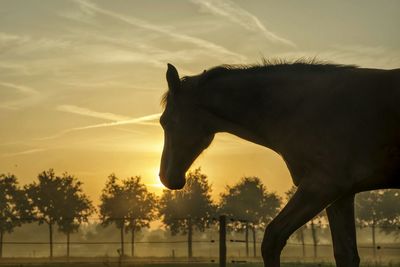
pixel 349 126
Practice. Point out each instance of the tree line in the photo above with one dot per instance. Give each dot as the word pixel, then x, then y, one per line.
pixel 59 202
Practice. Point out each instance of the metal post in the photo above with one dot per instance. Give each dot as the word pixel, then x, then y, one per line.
pixel 222 241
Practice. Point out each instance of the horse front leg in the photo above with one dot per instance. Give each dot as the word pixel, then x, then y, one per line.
pixel 306 203
pixel 343 231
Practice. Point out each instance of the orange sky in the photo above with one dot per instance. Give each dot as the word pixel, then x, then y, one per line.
pixel 81 81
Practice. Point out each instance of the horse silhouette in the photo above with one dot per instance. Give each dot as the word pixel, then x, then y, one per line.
pixel 336 126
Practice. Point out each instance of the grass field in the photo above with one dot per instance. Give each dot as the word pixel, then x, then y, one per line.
pixel 179 264
pixel 185 265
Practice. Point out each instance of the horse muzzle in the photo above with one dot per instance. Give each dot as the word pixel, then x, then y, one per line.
pixel 173 182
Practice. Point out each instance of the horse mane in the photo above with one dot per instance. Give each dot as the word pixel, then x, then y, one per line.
pixel 269 65
pixel 272 65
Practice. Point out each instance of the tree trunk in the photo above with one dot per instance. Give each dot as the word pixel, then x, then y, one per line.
pixel 1 244
pixel 68 238
pixel 51 239
pixel 314 237
pixel 247 239
pixel 373 239
pixel 122 252
pixel 302 241
pixel 254 241
pixel 190 233
pixel 133 241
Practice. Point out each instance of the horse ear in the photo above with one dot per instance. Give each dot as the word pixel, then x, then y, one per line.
pixel 174 83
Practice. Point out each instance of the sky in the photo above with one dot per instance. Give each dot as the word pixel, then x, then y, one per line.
pixel 81 81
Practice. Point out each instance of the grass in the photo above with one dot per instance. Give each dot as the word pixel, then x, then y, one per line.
pixel 115 264
pixel 161 262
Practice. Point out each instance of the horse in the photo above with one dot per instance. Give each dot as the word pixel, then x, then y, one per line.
pixel 337 127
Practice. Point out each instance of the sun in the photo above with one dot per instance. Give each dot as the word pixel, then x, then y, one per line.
pixel 156 184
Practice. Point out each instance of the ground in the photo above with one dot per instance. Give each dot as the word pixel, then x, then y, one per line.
pixel 116 264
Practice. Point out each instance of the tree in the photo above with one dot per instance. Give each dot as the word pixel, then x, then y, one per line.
pixel 314 223
pixel 250 205
pixel 378 208
pixel 391 210
pixel 11 206
pixel 58 200
pixel 45 199
pixel 188 208
pixel 141 207
pixel 129 205
pixel 75 207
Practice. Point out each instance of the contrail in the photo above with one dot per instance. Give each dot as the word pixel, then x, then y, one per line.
pixel 238 15
pixel 87 5
pixel 91 113
pixel 144 120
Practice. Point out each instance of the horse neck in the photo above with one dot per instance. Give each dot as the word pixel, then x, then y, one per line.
pixel 245 108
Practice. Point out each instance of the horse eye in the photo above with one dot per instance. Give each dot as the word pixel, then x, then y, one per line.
pixel 163 121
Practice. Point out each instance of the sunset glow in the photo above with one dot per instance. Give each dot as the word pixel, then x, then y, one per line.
pixel 81 81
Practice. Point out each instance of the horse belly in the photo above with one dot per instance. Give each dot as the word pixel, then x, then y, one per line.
pixel 380 171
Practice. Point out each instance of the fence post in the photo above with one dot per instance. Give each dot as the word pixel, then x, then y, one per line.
pixel 246 238
pixel 222 241
pixel 190 236
pixel 254 241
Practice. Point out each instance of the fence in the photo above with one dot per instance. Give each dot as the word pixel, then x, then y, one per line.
pixel 94 242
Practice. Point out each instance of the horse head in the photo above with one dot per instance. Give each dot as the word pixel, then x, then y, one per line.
pixel 186 134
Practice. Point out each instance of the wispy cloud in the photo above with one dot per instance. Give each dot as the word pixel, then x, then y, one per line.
pixel 20 88
pixel 144 120
pixel 362 49
pixel 91 9
pixel 141 120
pixel 361 55
pixel 91 113
pixel 24 152
pixel 12 68
pixel 8 41
pixel 242 17
pixel 30 96
pixel 27 44
pixel 129 49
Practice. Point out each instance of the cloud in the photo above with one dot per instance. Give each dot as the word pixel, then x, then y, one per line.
pixel 31 96
pixel 362 49
pixel 20 88
pixel 12 68
pixel 125 56
pixel 361 55
pixel 129 49
pixel 8 41
pixel 240 16
pixel 91 113
pixel 91 9
pixel 144 120
pixel 27 44
pixel 25 152
pixel 141 120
